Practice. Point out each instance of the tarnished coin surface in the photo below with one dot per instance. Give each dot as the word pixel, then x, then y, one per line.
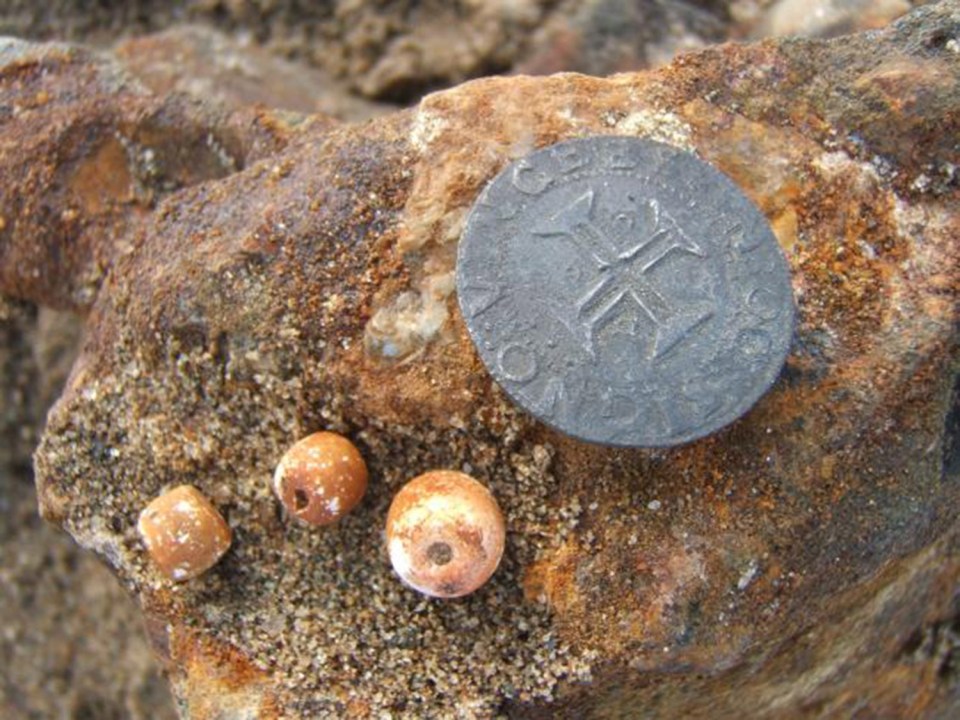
pixel 624 291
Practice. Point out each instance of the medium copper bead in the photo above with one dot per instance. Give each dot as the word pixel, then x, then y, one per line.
pixel 321 478
pixel 445 534
pixel 184 533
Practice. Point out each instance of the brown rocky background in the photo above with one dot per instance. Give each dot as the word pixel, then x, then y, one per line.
pixel 211 229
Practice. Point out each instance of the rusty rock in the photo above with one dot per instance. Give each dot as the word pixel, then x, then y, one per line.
pixel 797 555
pixel 90 152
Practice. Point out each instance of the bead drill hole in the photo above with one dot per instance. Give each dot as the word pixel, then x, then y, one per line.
pixel 300 499
pixel 439 553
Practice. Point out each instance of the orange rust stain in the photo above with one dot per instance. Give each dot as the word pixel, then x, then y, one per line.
pixel 828 464
pixel 412 391
pixel 102 178
pixel 786 228
pixel 902 82
pixel 765 162
pixel 217 680
pixel 551 579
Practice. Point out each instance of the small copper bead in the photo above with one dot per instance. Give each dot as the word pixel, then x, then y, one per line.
pixel 321 478
pixel 445 534
pixel 184 533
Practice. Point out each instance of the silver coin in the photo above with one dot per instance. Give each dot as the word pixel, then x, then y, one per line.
pixel 624 292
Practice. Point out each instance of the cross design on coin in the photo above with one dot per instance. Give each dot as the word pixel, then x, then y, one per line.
pixel 624 265
pixel 624 291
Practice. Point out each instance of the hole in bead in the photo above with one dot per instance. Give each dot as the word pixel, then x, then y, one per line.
pixel 440 553
pixel 300 499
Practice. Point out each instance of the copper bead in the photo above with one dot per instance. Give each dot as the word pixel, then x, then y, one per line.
pixel 445 534
pixel 184 533
pixel 321 478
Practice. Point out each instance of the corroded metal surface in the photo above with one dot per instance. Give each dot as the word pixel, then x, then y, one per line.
pixel 624 292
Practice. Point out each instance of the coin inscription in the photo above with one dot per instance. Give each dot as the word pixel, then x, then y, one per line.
pixel 624 291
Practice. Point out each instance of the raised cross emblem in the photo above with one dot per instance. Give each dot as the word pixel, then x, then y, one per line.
pixel 623 269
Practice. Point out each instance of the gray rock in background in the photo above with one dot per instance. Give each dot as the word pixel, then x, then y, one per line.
pixel 71 640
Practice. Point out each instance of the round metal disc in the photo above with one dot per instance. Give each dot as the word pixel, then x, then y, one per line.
pixel 624 291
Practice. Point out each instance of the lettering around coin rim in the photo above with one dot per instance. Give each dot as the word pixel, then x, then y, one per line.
pixel 624 291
